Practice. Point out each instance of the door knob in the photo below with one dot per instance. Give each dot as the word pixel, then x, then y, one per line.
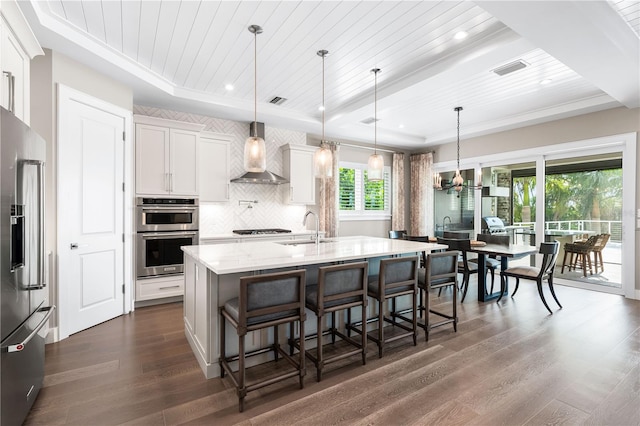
pixel 74 246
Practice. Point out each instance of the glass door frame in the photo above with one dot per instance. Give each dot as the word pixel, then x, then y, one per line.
pixel 624 143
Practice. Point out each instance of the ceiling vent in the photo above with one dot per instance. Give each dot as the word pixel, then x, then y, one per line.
pixel 369 120
pixel 510 67
pixel 277 100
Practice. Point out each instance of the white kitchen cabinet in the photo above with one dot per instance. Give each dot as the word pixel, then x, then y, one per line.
pixel 215 166
pixel 167 157
pixel 158 288
pixel 18 46
pixel 298 170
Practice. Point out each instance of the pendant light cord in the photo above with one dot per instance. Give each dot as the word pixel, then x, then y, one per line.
pixel 255 79
pixel 458 109
pixel 375 112
pixel 323 106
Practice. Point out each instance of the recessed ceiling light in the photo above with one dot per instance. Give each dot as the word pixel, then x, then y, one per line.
pixel 321 108
pixel 401 126
pixel 460 35
pixel 228 87
pixel 545 81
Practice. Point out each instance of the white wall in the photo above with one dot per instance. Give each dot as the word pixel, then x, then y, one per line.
pixel 270 211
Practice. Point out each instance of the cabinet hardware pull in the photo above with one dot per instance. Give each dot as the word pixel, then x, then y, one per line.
pixel 11 84
pixel 171 286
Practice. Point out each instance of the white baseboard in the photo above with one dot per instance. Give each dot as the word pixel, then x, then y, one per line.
pixel 52 336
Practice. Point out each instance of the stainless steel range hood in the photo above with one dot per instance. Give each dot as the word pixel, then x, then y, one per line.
pixel 266 177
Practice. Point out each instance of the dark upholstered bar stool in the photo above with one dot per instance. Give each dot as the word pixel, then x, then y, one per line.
pixel 440 271
pixel 398 277
pixel 267 300
pixel 544 272
pixel 340 287
pixel 465 267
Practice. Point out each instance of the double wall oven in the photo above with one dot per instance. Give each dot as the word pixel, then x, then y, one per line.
pixel 164 225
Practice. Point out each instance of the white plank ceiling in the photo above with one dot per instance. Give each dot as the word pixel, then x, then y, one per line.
pixel 181 55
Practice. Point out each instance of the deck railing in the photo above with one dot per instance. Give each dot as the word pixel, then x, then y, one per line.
pixel 613 227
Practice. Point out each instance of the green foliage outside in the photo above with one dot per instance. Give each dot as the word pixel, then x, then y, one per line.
pixel 593 195
pixel 373 191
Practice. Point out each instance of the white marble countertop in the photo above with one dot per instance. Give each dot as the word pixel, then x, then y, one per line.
pixel 262 255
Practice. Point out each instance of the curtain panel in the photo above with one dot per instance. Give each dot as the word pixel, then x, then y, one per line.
pixel 398 201
pixel 421 195
pixel 328 214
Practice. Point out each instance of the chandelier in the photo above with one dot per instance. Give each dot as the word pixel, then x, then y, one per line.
pixel 457 183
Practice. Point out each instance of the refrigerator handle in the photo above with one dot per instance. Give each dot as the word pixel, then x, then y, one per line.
pixel 41 282
pixel 20 346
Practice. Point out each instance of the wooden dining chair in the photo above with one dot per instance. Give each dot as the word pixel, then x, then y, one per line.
pixel 537 274
pixel 492 263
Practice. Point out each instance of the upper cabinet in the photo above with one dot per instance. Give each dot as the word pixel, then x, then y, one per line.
pixel 298 170
pixel 18 46
pixel 167 157
pixel 215 170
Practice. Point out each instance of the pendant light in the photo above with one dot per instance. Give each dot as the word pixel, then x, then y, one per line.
pixel 457 183
pixel 376 162
pixel 457 178
pixel 322 158
pixel 255 153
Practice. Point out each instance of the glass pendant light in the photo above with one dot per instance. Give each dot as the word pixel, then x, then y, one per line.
pixel 322 158
pixel 255 152
pixel 457 178
pixel 376 162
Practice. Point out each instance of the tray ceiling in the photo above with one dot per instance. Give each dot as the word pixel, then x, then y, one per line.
pixel 182 54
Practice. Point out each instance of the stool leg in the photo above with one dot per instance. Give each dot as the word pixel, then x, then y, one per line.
pixel 564 261
pixel 242 390
pixel 380 325
pixel 333 327
pixel 363 336
pixel 223 345
pixel 276 342
pixel 320 362
pixel 455 308
pixel 415 317
pixel 303 370
pixel 292 338
pixel 349 322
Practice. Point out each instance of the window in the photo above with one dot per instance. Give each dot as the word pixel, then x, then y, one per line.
pixel 360 198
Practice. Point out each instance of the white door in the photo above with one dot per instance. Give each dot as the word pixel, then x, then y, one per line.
pixel 90 215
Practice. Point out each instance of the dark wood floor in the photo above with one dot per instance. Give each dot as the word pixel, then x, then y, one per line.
pixel 509 363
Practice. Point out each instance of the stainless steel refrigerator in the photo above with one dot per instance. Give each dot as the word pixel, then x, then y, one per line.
pixel 23 316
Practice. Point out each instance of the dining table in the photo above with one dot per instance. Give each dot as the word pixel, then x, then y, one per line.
pixel 504 252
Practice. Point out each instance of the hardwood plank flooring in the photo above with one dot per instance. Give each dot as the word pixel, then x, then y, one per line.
pixel 509 363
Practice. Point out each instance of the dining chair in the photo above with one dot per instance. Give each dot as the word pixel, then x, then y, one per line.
pixel 582 253
pixel 537 274
pixel 491 262
pixel 397 235
pixel 267 300
pixel 465 267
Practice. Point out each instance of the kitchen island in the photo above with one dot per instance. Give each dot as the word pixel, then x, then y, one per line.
pixel 212 275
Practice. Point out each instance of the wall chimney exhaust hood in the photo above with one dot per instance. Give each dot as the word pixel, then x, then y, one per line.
pixel 266 177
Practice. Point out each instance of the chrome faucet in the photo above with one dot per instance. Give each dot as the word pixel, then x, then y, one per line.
pixel 304 223
pixel 444 220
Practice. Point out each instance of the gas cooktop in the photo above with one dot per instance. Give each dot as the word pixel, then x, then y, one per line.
pixel 261 231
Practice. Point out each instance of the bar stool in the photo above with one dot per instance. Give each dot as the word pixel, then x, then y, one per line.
pixel 440 271
pixel 340 287
pixel 398 277
pixel 267 300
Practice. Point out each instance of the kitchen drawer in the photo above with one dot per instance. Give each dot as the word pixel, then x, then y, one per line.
pixel 157 288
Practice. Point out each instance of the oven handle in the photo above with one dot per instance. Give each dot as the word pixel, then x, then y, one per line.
pixel 165 209
pixel 157 235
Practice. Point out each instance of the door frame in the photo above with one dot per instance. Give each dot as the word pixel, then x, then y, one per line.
pixel 66 96
pixel 625 143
